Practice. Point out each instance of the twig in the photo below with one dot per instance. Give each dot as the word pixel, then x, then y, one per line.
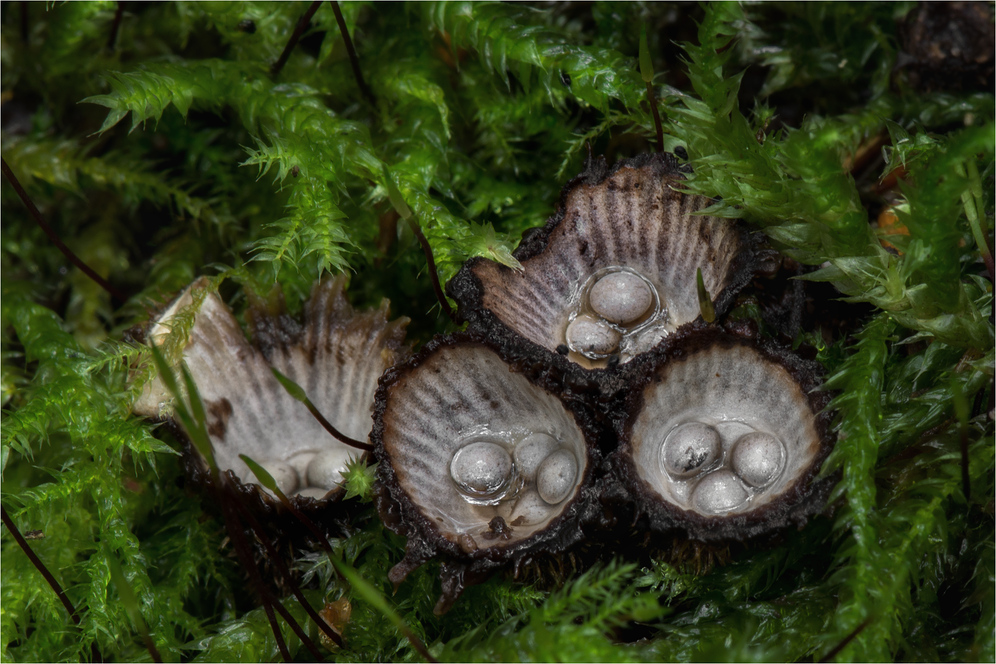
pixel 299 29
pixel 52 582
pixel 115 25
pixel 39 565
pixel 282 568
pixel 244 553
pixel 338 435
pixel 406 213
pixel 433 275
pixel 847 640
pixel 354 61
pixel 296 392
pixel 66 251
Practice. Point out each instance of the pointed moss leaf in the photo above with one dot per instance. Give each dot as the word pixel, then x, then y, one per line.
pixel 113 117
pixel 372 596
pixel 264 477
pixel 395 196
pixel 646 64
pixel 359 479
pixel 483 241
pixel 292 388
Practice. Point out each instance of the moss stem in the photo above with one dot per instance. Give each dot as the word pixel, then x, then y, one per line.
pixel 299 29
pixel 354 61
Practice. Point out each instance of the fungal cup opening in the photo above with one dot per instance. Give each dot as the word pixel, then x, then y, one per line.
pixel 724 432
pixel 614 271
pixel 471 442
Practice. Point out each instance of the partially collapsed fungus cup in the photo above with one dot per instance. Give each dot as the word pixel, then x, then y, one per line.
pixel 479 464
pixel 613 272
pixel 723 436
pixel 336 356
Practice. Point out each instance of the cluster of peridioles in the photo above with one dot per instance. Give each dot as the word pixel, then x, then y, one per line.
pixel 491 442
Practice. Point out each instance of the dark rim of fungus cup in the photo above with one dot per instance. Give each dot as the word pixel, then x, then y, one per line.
pixel 460 395
pixel 721 363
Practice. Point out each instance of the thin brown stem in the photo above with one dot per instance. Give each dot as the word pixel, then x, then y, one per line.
pixel 150 645
pixel 112 39
pixel 354 61
pixel 295 391
pixel 49 577
pixel 847 640
pixel 39 565
pixel 244 552
pixel 282 568
pixel 433 274
pixel 335 433
pixel 302 25
pixel 73 258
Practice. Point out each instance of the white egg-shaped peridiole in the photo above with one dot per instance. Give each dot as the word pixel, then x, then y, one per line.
pixel 557 476
pixel 592 337
pixel 690 448
pixel 282 473
pixel 719 492
pixel 481 469
pixel 757 458
pixel 621 297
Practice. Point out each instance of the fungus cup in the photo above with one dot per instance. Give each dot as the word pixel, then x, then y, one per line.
pixel 335 356
pixel 480 464
pixel 613 272
pixel 722 436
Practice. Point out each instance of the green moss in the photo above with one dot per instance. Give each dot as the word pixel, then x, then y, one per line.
pixel 187 157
